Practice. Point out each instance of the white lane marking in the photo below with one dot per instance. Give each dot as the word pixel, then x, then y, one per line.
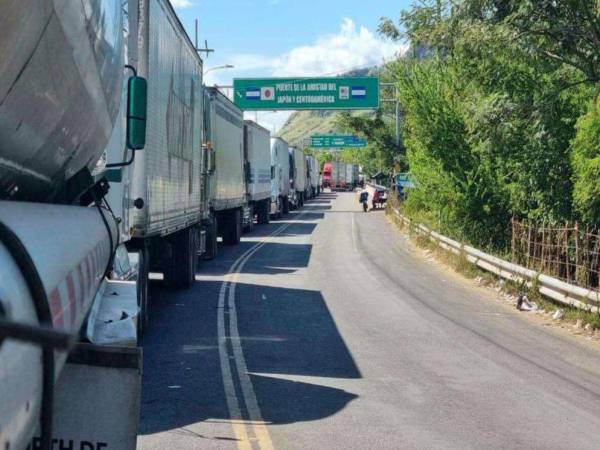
pixel 354 238
pixel 233 405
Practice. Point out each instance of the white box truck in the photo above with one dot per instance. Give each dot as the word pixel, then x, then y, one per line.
pixel 313 175
pixel 280 173
pixel 338 176
pixel 224 135
pixel 300 179
pixel 351 176
pixel 257 157
pixel 166 184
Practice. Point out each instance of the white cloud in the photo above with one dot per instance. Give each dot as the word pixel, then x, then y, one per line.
pixel 181 4
pixel 351 48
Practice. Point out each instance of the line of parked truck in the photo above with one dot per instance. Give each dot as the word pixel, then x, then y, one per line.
pixel 115 161
pixel 340 176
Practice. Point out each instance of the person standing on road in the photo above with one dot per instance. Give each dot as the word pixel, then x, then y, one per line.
pixel 376 198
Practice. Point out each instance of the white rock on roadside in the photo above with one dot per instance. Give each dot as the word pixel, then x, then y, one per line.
pixel 558 314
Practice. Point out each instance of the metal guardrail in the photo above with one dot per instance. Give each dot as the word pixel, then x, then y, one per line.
pixel 553 288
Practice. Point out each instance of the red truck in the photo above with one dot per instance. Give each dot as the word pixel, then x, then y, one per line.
pixel 326 178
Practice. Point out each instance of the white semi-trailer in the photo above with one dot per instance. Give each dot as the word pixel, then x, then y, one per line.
pixel 166 186
pixel 314 187
pixel 339 176
pixel 257 157
pixel 300 179
pixel 280 182
pixel 88 203
pixel 224 135
pixel 351 176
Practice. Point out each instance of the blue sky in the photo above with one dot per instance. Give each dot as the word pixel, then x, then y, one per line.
pixel 289 37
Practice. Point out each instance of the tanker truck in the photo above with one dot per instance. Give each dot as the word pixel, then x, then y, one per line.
pixel 89 203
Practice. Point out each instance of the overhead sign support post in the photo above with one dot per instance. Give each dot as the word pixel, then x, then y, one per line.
pixel 278 94
pixel 394 99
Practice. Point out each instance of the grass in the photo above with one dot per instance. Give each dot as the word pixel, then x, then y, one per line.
pixel 462 265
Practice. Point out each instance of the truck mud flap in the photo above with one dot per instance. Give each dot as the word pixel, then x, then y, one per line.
pixel 97 399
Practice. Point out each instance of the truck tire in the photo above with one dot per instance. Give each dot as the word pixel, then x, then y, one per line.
pixel 233 227
pixel 180 272
pixel 143 319
pixel 263 212
pixel 211 240
pixel 249 226
pixel 286 206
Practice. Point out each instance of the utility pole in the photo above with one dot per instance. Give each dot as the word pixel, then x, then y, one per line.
pixel 395 100
pixel 206 50
pixel 397 121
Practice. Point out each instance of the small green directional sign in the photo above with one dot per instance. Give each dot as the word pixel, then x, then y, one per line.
pixel 306 93
pixel 336 141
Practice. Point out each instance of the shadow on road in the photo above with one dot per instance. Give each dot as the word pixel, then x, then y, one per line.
pixel 273 258
pixel 284 332
pixel 307 215
pixel 309 207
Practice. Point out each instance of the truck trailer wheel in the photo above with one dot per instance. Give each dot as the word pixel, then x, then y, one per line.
pixel 263 212
pixel 180 272
pixel 286 206
pixel 232 232
pixel 211 240
pixel 248 227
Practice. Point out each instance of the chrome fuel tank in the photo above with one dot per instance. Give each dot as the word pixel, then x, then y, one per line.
pixel 61 69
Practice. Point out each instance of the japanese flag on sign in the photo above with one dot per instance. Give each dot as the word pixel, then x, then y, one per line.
pixel 267 93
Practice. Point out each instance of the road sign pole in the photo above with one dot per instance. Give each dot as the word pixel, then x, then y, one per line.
pixel 397 122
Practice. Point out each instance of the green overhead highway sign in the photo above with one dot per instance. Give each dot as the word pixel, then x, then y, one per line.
pixel 336 141
pixel 306 93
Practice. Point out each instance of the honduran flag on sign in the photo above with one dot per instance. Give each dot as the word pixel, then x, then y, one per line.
pixel 253 93
pixel 358 92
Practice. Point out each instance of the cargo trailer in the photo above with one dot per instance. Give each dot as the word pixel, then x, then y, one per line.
pixel 300 180
pixel 338 176
pixel 293 198
pixel 224 135
pixel 167 190
pixel 313 175
pixel 280 177
pixel 351 176
pixel 257 157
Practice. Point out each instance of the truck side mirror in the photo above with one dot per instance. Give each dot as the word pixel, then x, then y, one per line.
pixel 137 99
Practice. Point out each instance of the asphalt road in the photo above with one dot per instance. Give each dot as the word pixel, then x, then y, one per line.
pixel 325 331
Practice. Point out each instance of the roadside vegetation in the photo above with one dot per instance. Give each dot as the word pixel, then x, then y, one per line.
pixel 511 290
pixel 501 115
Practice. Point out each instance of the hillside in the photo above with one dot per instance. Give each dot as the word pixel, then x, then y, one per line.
pixel 303 124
